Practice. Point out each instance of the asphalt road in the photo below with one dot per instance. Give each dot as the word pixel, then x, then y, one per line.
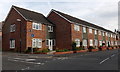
pixel 102 60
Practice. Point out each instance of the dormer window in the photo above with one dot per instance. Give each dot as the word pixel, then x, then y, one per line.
pixel 37 26
pixel 12 28
pixel 50 28
pixel 76 28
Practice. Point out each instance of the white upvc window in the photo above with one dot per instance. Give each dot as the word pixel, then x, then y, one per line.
pixel 106 42
pixel 112 43
pixel 36 26
pixel 103 34
pixel 91 42
pixel 47 42
pixel 90 30
pixel 12 43
pixel 76 27
pixel 84 29
pixel 84 42
pixel 95 32
pixel 115 36
pixel 36 43
pixel 100 43
pixel 99 32
pixel 50 28
pixel 12 28
pixel 111 35
pixel 106 33
pixel 77 41
pixel 96 42
pixel 116 43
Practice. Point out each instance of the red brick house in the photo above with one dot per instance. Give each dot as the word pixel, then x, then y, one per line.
pixel 82 32
pixel 24 29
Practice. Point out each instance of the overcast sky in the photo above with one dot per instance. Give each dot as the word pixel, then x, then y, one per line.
pixel 100 12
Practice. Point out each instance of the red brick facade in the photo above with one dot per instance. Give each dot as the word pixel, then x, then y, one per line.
pixel 64 31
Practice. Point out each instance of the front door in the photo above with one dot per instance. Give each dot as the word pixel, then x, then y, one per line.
pixel 50 44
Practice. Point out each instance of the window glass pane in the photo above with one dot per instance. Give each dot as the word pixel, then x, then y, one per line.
pixel 106 33
pixel 12 43
pixel 76 27
pixel 84 29
pixel 91 42
pixel 90 30
pixel 96 43
pixel 84 42
pixel 77 41
pixel 95 32
pixel 100 43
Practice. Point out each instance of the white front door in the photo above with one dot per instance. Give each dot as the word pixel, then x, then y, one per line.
pixel 50 44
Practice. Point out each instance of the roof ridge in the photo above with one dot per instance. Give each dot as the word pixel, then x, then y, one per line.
pixel 80 19
pixel 26 9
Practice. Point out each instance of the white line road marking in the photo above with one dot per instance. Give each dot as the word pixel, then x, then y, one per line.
pixel 16 58
pixel 30 59
pixel 113 55
pixel 104 60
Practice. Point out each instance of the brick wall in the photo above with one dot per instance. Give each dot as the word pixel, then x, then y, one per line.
pixel 76 34
pixel 63 31
pixel 7 35
pixel 41 34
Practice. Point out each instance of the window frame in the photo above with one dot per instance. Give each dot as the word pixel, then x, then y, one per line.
pixel 36 26
pixel 38 43
pixel 100 42
pixel 85 44
pixel 76 27
pixel 51 28
pixel 90 30
pixel 77 41
pixel 12 43
pixel 91 42
pixel 96 42
pixel 103 33
pixel 12 27
pixel 100 32
pixel 84 30
pixel 95 32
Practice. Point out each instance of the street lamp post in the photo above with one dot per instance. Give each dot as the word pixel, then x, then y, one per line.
pixel 19 20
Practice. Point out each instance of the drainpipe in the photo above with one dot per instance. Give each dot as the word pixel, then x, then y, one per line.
pixel 19 20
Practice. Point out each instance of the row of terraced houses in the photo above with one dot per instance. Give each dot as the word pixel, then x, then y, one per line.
pixel 23 29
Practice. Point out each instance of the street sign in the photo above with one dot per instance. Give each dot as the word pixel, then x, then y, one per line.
pixel 32 35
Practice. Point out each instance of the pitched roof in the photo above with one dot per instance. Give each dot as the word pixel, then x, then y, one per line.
pixel 79 21
pixel 32 16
